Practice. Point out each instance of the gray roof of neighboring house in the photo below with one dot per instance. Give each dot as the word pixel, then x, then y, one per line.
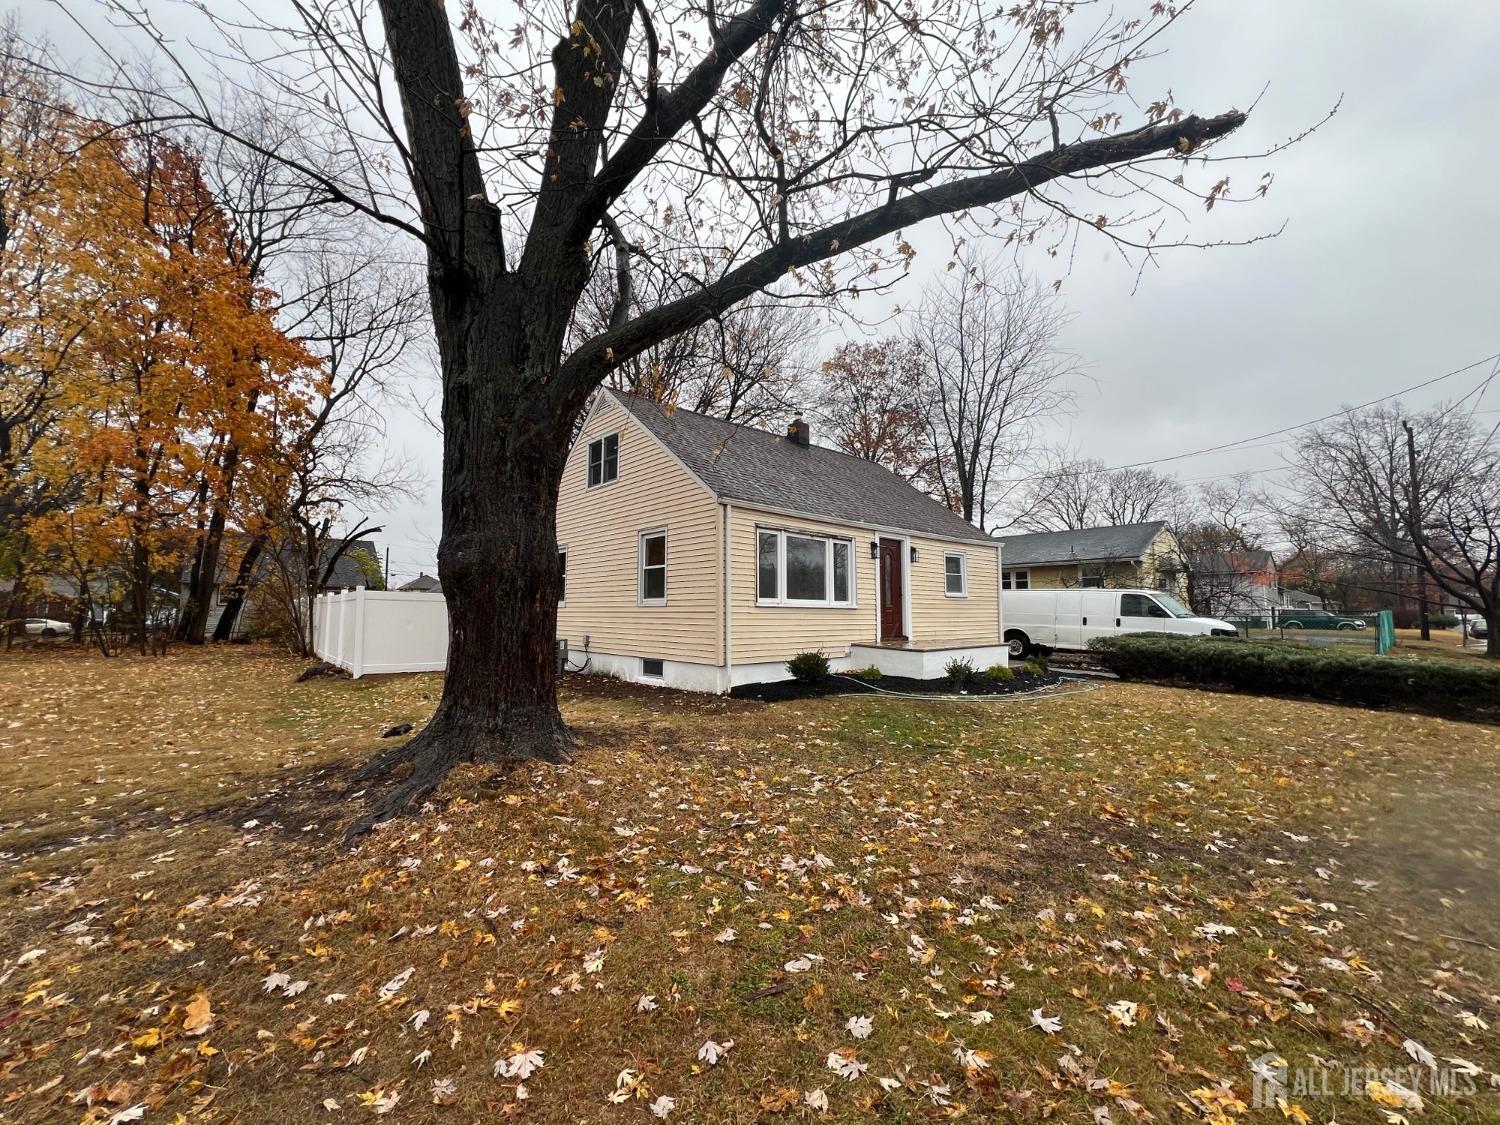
pixel 421 584
pixel 349 570
pixel 1240 560
pixel 765 469
pixel 1125 543
pixel 1289 595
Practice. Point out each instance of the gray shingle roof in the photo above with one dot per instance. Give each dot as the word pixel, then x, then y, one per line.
pixel 1240 560
pixel 760 468
pixel 1090 544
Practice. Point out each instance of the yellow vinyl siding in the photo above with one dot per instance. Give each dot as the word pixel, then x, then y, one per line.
pixel 774 633
pixel 764 633
pixel 600 528
pixel 938 621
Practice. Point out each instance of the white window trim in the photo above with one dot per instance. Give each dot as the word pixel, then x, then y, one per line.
pixel 640 565
pixel 828 541
pixel 1102 568
pixel 563 601
pixel 588 461
pixel 963 574
pixel 1008 575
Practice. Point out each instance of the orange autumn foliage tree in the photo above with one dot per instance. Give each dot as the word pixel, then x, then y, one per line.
pixel 185 361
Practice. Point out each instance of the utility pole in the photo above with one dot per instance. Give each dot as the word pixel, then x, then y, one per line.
pixel 1413 520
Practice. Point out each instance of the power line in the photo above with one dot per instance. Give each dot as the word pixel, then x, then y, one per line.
pixel 1275 433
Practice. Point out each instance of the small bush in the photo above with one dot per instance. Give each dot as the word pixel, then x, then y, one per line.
pixel 960 670
pixel 1033 668
pixel 808 667
pixel 1443 621
pixel 1000 672
pixel 870 673
pixel 1439 687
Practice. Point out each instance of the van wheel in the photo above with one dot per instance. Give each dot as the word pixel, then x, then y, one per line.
pixel 1018 643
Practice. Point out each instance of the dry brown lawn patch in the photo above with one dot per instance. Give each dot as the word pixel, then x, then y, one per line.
pixel 723 908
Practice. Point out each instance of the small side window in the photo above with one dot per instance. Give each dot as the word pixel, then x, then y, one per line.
pixel 652 668
pixel 955 576
pixel 562 575
pixel 653 585
pixel 604 459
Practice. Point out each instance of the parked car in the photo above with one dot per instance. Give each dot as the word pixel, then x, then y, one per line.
pixel 1478 628
pixel 1317 619
pixel 1070 619
pixel 48 627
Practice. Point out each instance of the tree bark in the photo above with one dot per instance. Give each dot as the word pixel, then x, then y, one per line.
pixel 499 568
pixel 230 615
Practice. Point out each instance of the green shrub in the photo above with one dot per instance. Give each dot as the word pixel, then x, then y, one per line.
pixel 1443 621
pixel 1439 687
pixel 1000 672
pixel 1033 668
pixel 870 673
pixel 960 671
pixel 808 667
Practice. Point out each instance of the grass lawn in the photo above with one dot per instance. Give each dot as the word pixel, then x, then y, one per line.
pixel 1094 908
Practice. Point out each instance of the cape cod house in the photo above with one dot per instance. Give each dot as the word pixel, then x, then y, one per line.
pixel 1141 555
pixel 701 554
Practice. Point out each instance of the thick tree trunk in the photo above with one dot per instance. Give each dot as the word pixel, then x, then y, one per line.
pixel 230 615
pixel 194 626
pixel 499 568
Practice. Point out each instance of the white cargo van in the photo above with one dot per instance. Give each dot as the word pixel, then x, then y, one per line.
pixel 1070 619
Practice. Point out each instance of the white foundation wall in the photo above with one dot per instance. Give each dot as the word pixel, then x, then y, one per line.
pixel 682 674
pixel 924 664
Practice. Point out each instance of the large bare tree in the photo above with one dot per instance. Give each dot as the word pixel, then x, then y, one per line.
pixel 769 142
pixel 993 372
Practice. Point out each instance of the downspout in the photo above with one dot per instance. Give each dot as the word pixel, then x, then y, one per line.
pixel 728 605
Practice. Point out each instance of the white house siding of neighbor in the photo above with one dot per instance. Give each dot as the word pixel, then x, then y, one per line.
pixel 824 551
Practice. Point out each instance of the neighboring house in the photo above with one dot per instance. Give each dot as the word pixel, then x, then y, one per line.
pixel 423 583
pixel 1301 599
pixel 359 565
pixel 1140 555
pixel 1234 582
pixel 701 554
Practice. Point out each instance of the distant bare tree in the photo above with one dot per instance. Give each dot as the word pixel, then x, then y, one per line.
pixel 993 371
pixel 1417 491
pixel 1077 494
pixel 750 365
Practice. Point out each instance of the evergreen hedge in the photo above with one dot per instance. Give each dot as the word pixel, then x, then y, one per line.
pixel 1453 688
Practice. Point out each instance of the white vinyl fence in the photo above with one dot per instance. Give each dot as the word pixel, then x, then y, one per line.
pixel 369 632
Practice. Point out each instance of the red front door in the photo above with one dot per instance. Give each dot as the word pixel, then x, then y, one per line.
pixel 892 598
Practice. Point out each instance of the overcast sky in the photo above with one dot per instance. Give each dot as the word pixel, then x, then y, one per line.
pixel 1386 275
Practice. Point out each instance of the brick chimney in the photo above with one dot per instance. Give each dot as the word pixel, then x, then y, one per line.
pixel 799 432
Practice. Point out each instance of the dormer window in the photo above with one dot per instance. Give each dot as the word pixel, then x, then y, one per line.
pixel 604 459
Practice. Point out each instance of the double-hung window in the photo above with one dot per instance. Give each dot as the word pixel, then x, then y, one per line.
pixel 1015 580
pixel 653 568
pixel 1091 577
pixel 797 569
pixel 604 459
pixel 956 575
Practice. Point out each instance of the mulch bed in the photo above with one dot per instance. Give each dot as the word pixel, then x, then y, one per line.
pixel 848 684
